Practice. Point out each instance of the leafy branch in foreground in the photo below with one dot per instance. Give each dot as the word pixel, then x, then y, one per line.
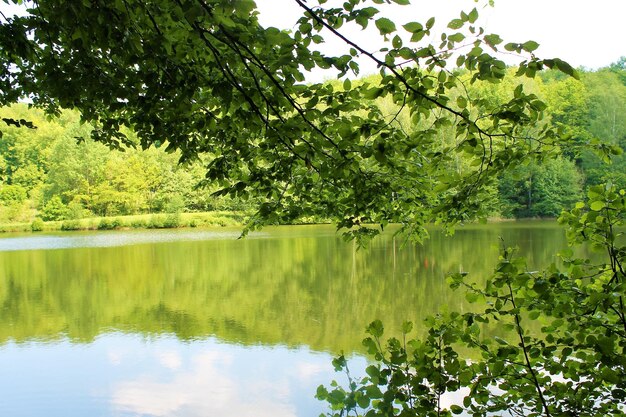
pixel 205 78
pixel 563 352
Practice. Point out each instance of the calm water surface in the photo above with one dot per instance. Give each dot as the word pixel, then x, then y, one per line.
pixel 197 323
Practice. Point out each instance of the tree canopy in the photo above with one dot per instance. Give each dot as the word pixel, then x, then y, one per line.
pixel 205 78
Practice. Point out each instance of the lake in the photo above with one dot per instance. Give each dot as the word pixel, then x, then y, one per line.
pixel 190 323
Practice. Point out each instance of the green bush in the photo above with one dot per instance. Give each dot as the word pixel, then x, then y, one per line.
pixel 70 225
pixel 12 194
pixel 172 221
pixel 156 222
pixel 104 224
pixel 54 209
pixel 138 224
pixel 109 224
pixel 75 210
pixel 37 225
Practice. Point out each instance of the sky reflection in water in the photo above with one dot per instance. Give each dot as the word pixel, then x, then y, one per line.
pixel 129 375
pixel 191 323
pixel 109 239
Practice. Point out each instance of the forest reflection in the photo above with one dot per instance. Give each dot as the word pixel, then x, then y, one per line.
pixel 290 286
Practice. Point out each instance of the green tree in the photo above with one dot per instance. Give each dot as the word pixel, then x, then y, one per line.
pixel 88 177
pixel 204 77
pixel 12 194
pixel 619 68
pixel 568 103
pixel 607 125
pixel 54 209
pixel 76 170
pixel 25 151
pixel 12 199
pixel 541 190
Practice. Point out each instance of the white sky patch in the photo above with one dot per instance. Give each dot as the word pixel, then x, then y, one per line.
pixel 115 358
pixel 170 360
pixel 205 388
pixel 306 370
pixel 583 33
pixel 119 355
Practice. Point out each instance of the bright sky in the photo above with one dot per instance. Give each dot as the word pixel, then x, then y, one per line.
pixel 584 33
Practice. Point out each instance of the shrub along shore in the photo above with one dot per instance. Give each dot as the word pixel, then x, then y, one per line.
pixel 139 221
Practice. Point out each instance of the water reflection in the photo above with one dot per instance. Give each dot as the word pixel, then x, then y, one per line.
pixel 299 286
pixel 192 323
pixel 212 379
pixel 124 375
pixel 47 241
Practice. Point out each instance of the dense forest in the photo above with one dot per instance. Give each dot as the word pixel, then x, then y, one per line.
pixel 54 171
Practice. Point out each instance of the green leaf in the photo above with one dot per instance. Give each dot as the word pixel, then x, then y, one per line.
pixel 373 93
pixel 322 393
pixel 339 363
pixel 413 27
pixel 539 105
pixel 473 15
pixel 493 39
pixel 530 46
pixel 385 26
pixel 418 36
pixel 566 68
pixel 397 42
pixel 610 375
pixel 456 37
pixel 305 28
pixel 597 205
pixel 455 24
pixel 472 297
pixel 407 326
pixel 501 341
pixel 376 328
pixel 245 7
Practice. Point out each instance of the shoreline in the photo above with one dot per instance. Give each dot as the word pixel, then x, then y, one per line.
pixel 138 221
pixel 172 221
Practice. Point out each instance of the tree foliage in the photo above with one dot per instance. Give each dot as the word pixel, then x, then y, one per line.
pixel 540 190
pixel 607 104
pixel 573 365
pixel 87 178
pixel 205 78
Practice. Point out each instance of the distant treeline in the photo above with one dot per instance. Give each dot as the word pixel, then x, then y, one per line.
pixel 56 172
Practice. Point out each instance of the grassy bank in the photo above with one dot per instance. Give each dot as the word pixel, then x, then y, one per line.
pixel 141 221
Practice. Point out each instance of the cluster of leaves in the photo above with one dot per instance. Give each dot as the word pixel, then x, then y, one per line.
pixel 45 162
pixel 41 161
pixel 586 111
pixel 204 77
pixel 574 365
